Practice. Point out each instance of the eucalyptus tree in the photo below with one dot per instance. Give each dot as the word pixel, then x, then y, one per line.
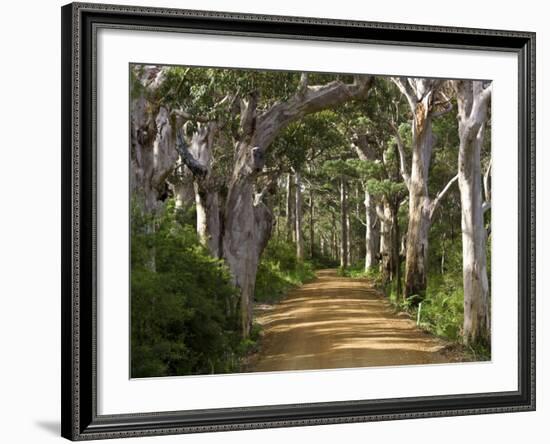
pixel 342 172
pixel 152 136
pixel 427 101
pixel 473 98
pixel 301 149
pixel 231 120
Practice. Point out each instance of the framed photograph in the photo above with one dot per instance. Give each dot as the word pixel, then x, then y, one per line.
pixel 280 221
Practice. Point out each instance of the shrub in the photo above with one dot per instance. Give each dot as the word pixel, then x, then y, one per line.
pixel 183 318
pixel 279 270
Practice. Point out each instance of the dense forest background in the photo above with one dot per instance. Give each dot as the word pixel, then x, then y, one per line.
pixel 245 182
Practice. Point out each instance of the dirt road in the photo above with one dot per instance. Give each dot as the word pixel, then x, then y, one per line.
pixel 337 322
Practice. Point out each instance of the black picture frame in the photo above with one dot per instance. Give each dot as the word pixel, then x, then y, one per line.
pixel 80 420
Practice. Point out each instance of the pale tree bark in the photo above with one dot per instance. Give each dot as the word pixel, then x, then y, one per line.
pixel 473 103
pixel 349 259
pixel 311 224
pixel 299 234
pixel 343 224
pixel 247 221
pixel 290 205
pixel 152 139
pixel 420 94
pixel 197 155
pixel 372 233
pixel 383 211
pixel 372 236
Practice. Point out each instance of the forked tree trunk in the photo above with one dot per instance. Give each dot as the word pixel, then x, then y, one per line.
pixel 473 102
pixel 420 94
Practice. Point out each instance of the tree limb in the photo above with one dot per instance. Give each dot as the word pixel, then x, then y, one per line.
pixel 406 89
pixel 309 100
pixel 181 113
pixel 273 177
pixel 381 215
pixel 402 160
pixel 435 203
pixel 487 182
pixel 198 169
pixel 448 108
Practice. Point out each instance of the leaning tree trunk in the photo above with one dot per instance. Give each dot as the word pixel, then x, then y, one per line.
pixel 299 234
pixel 343 225
pixel 473 101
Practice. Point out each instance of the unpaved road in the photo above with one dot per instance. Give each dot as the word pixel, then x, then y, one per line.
pixel 337 322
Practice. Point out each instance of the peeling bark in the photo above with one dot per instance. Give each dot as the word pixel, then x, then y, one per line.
pixel 152 140
pixel 420 95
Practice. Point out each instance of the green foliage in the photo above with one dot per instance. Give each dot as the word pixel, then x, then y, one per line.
pixel 340 169
pixel 442 311
pixel 279 271
pixel 181 301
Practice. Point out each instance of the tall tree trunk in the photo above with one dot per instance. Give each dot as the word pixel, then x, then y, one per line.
pixel 290 205
pixel 311 225
pixel 247 231
pixel 395 240
pixel 420 94
pixel 343 224
pixel 473 101
pixel 371 234
pixel 384 215
pixel 334 243
pixel 419 208
pixel 348 237
pixel 299 234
